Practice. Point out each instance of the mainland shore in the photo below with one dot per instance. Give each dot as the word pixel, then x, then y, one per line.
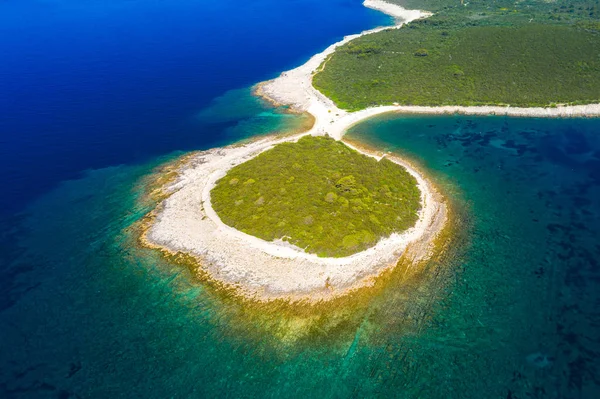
pixel 295 88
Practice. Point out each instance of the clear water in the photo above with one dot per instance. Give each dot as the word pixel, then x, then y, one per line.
pixel 509 310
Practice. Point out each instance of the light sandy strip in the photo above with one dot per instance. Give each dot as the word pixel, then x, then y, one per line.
pixel 295 87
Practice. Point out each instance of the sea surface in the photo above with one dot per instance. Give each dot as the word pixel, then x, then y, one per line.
pixel 95 96
pixel 86 84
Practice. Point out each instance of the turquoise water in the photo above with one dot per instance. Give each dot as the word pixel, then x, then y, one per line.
pixel 509 311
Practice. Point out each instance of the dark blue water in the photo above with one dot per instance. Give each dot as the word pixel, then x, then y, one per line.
pixel 88 84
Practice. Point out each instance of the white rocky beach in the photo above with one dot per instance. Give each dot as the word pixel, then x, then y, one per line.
pixel 186 222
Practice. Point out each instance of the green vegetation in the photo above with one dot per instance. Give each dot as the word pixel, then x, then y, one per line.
pixel 319 195
pixel 532 65
pixel 555 10
pixel 482 52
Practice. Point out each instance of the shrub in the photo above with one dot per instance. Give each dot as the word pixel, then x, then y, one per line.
pixel 331 197
pixel 473 65
pixel 421 52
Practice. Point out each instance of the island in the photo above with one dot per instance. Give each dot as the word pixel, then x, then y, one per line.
pixel 309 217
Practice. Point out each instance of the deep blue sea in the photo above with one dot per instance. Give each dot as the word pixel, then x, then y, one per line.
pixel 96 96
pixel 92 83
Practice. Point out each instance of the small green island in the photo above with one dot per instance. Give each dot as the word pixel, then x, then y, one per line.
pixel 319 195
pixel 524 54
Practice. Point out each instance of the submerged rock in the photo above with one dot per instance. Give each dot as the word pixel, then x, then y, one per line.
pixel 539 360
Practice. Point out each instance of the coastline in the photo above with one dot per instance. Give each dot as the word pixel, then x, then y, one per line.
pixel 294 88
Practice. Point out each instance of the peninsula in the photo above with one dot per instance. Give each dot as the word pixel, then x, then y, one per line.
pixel 266 262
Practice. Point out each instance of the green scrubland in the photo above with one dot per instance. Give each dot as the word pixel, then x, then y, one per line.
pixel 319 195
pixel 480 53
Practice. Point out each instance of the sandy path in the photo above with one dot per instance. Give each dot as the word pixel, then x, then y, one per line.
pixel 295 87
